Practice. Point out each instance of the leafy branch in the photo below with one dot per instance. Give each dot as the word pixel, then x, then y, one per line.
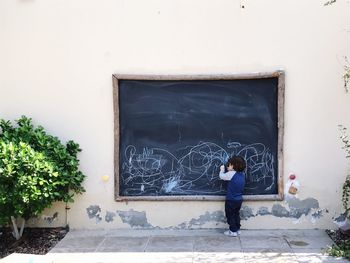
pixel 36 169
pixel 346 186
pixel 346 75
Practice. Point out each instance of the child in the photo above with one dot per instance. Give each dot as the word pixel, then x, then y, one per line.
pixel 235 174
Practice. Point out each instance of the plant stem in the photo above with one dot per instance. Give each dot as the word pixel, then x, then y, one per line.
pixel 15 229
pixel 22 227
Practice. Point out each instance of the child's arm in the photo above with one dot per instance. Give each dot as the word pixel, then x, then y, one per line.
pixel 225 176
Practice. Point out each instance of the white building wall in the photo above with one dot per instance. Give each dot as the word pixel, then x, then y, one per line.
pixel 56 64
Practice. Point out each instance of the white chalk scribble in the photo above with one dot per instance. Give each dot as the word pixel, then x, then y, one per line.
pixel 155 171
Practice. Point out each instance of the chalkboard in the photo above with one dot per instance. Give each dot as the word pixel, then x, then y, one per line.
pixel 175 132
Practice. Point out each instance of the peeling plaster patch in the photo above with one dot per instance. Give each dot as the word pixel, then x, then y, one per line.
pixel 297 208
pixel 246 212
pixel 109 216
pixel 301 207
pixel 181 226
pixel 217 216
pixel 50 219
pixel 318 214
pixel 279 211
pixel 263 211
pixel 134 218
pixel 94 211
pixel 340 220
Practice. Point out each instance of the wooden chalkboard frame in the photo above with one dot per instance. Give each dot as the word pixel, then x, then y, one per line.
pixel 280 104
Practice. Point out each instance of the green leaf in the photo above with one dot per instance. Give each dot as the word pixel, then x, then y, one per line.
pixel 36 169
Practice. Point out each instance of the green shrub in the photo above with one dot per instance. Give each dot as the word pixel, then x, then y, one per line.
pixel 341 250
pixel 36 169
pixel 342 247
pixel 346 185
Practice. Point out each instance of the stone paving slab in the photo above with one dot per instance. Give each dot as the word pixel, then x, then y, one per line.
pixel 124 257
pixel 308 242
pixel 263 242
pixel 170 244
pixel 122 244
pixel 167 257
pixel 186 246
pixel 316 257
pixel 235 257
pixel 88 243
pixel 270 257
pixel 219 243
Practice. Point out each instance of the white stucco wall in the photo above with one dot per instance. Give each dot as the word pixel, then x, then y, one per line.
pixel 56 64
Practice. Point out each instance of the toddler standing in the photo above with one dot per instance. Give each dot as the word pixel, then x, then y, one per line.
pixel 234 197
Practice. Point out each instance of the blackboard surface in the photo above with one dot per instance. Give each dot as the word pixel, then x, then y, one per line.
pixel 175 134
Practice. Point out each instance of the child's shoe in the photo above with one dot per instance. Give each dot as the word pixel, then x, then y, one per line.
pixel 230 233
pixel 239 232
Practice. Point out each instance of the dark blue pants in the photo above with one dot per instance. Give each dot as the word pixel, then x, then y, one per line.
pixel 232 214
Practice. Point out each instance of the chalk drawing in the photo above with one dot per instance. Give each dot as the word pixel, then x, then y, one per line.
pixel 156 171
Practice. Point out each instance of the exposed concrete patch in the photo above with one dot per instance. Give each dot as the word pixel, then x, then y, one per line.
pixel 50 219
pixel 301 207
pixel 297 208
pixel 262 211
pixel 340 220
pixel 246 212
pixel 217 216
pixel 134 218
pixel 279 211
pixel 181 226
pixel 94 211
pixel 318 214
pixel 109 217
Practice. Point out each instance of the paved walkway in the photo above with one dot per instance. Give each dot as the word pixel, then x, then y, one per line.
pixel 186 246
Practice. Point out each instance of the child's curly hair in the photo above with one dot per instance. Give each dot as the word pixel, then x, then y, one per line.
pixel 237 162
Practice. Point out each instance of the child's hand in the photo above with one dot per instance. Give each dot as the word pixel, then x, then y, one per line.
pixel 222 168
